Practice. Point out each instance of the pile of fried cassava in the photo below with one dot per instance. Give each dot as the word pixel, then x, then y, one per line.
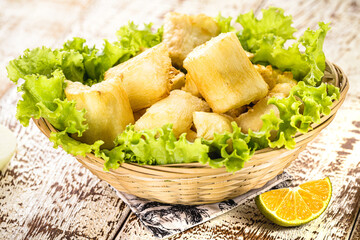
pixel 196 79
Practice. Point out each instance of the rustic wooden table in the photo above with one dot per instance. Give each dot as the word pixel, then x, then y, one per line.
pixel 57 198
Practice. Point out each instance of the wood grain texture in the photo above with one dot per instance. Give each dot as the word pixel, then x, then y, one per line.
pixel 355 233
pixel 46 194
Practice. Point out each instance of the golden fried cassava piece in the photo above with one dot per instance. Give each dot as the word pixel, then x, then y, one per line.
pixel 249 55
pixel 207 124
pixel 107 107
pixel 139 113
pixel 177 109
pixel 285 77
pixel 146 77
pixel 191 135
pixel 275 76
pixel 252 118
pixel 223 73
pixel 267 75
pixel 281 88
pixel 190 87
pixel 234 113
pixel 182 33
pixel 177 79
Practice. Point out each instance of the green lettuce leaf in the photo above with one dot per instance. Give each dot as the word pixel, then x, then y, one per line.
pixel 313 42
pixel 273 23
pixel 156 146
pixel 160 146
pixel 304 106
pixel 44 97
pixel 135 40
pixel 97 62
pixel 42 61
pixel 266 38
pixel 78 45
pixel 72 146
pixel 308 66
pixel 72 66
pixel 39 89
pixel 224 23
pixel 65 116
pixel 88 64
pixel 271 51
pixel 316 100
pixel 262 138
pixel 288 107
pixel 229 149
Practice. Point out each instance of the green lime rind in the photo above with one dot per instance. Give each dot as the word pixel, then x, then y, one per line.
pixel 271 215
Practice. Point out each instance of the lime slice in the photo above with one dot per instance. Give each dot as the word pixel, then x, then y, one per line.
pixel 7 146
pixel 295 206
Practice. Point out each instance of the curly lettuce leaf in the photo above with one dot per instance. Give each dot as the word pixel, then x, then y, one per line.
pixel 304 106
pixel 44 97
pixel 308 66
pixel 224 23
pixel 65 116
pixel 39 89
pixel 160 146
pixel 316 100
pixel 42 61
pixel 88 64
pixel 72 66
pixel 271 51
pixel 135 40
pixel 73 146
pixel 229 149
pixel 156 146
pixel 78 45
pixel 313 42
pixel 273 22
pixel 289 109
pixel 266 38
pixel 262 138
pixel 97 62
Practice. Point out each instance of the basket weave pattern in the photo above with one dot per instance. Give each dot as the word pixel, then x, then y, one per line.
pixel 194 183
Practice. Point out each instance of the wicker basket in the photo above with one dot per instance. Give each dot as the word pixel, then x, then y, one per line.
pixel 194 183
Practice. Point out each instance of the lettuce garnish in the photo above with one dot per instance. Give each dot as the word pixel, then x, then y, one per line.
pixel 224 23
pixel 274 24
pixel 156 146
pixel 44 72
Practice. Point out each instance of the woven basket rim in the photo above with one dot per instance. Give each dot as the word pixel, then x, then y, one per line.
pixel 337 73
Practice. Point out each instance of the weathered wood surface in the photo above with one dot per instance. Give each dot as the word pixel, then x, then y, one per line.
pixel 55 197
pixel 47 194
pixel 51 197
